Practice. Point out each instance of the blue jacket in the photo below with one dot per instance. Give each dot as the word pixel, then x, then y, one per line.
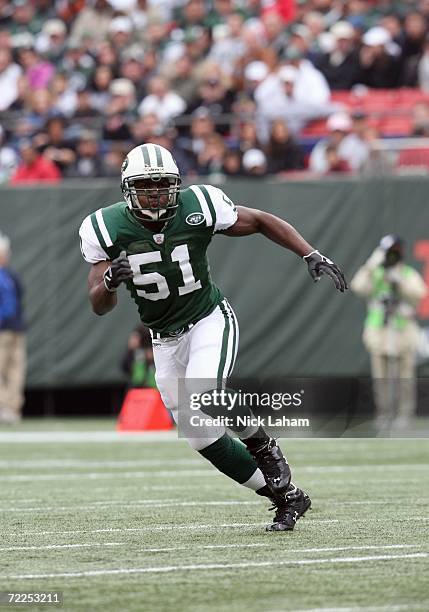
pixel 11 318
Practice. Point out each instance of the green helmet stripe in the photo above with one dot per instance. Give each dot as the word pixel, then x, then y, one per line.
pixel 158 152
pixel 146 158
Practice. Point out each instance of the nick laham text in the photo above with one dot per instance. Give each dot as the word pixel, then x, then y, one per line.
pixel 197 420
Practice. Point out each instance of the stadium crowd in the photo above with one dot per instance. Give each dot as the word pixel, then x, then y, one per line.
pixel 227 85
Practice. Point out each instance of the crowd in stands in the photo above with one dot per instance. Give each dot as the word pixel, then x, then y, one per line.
pixel 229 86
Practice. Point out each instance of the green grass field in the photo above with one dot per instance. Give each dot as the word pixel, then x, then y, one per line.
pixel 146 525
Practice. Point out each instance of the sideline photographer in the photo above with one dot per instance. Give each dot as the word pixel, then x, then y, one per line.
pixel 393 290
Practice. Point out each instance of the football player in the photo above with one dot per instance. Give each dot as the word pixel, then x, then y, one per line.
pixel 155 242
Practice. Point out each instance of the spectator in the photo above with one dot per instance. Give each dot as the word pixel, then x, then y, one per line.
pixel 64 97
pixel 214 93
pixel 334 162
pixel 167 138
pixel 34 167
pixel 341 66
pixel 296 95
pixel 210 159
pixel 94 20
pixel 274 30
pixel 254 163
pixel 121 33
pixel 12 340
pixel 256 48
pixel 229 46
pixel 197 42
pixel 24 18
pixel 344 145
pixel 309 84
pixel 300 39
pixel 132 69
pixel 54 145
pixel 421 119
pixel 113 160
pixel 137 363
pixel 119 109
pixel 181 75
pixel 202 128
pixel 100 87
pixel 145 129
pixel 51 42
pixel 77 63
pixel 423 67
pixel 40 103
pixel 232 163
pixel 193 13
pixel 37 71
pixel 284 153
pixel 255 73
pixel 166 104
pixel 8 158
pixel 379 67
pixel 248 136
pixel 9 75
pixel 85 113
pixel 106 55
pixel 87 162
pixel 415 31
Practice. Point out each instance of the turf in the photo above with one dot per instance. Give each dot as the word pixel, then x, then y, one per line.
pixel 184 538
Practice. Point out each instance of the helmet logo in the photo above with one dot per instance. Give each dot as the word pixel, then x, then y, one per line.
pixel 195 219
pixel 124 165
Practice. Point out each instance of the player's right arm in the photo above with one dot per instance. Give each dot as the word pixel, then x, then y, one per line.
pixel 103 282
pixel 105 275
pixel 102 300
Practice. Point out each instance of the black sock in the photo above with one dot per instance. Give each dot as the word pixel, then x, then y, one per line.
pixel 258 439
pixel 265 492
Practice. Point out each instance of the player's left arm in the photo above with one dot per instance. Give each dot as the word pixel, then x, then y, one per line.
pixel 253 221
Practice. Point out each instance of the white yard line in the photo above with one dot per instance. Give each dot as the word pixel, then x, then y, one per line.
pixel 392 608
pixel 177 502
pixel 107 475
pixel 214 566
pixel 54 437
pixel 19 437
pixel 149 503
pixel 328 469
pixel 60 546
pixel 182 527
pixel 8 464
pixel 210 547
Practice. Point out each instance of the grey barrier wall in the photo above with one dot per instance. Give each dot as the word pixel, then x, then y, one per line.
pixel 288 325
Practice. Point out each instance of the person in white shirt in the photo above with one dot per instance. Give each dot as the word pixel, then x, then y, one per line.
pixel 165 103
pixel 350 147
pixel 9 75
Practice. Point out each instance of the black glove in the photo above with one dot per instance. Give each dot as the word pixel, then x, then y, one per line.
pixel 318 264
pixel 118 272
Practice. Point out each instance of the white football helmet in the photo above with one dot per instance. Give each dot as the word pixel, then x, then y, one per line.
pixel 149 164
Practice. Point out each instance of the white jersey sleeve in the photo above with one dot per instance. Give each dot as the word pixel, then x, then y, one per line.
pixel 225 211
pixel 90 246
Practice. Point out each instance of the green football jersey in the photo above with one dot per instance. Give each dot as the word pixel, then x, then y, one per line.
pixel 172 285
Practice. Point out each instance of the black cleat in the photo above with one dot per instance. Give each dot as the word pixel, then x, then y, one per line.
pixel 289 509
pixel 273 465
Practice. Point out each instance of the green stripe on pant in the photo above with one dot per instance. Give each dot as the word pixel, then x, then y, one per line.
pixel 224 347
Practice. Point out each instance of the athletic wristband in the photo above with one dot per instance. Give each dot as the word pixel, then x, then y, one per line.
pixel 105 277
